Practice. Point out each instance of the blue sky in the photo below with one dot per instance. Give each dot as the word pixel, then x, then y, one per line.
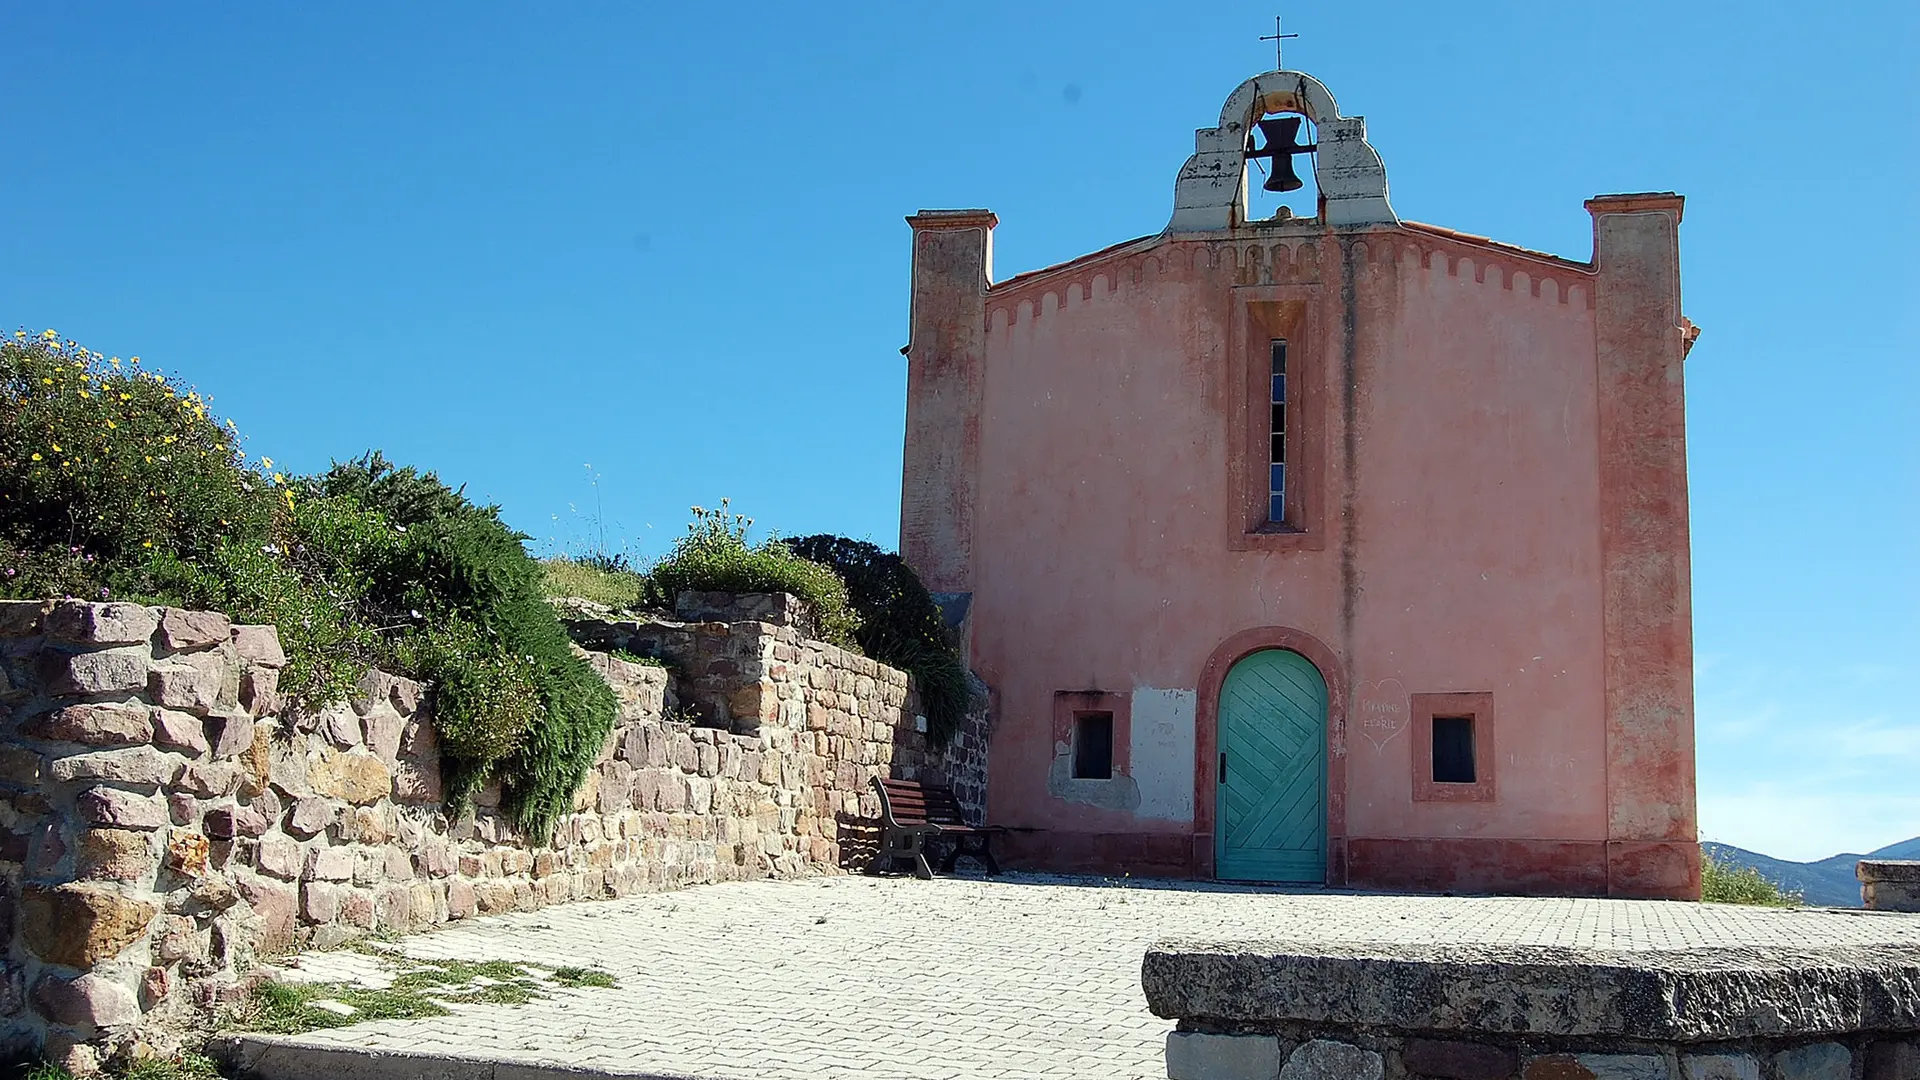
pixel 603 262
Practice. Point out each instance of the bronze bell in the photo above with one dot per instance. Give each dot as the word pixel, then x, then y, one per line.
pixel 1282 134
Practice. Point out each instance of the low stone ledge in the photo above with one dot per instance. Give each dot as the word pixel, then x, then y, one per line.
pixel 1889 884
pixel 1682 996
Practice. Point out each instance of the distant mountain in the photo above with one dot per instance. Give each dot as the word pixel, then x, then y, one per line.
pixel 1827 883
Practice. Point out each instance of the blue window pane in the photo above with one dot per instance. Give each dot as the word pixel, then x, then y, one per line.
pixel 1276 509
pixel 1277 478
pixel 1279 388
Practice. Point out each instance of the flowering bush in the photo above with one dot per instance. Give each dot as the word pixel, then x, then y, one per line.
pixel 116 481
pixel 104 464
pixel 714 557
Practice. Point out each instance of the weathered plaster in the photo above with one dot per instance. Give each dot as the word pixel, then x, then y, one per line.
pixel 1117 793
pixel 1452 388
pixel 1163 730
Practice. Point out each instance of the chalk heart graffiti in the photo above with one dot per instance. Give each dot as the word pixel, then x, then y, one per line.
pixel 1382 711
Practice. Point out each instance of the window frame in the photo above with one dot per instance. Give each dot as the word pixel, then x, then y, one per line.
pixel 1263 314
pixel 1070 705
pixel 1423 710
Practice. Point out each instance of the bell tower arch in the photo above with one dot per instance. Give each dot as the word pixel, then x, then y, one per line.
pixel 1211 192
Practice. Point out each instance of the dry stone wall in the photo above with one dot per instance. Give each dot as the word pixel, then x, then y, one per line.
pixel 164 820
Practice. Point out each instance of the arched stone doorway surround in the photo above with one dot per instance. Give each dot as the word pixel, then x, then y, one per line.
pixel 1206 740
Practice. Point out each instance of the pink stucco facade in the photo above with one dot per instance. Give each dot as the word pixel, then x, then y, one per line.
pixel 1486 496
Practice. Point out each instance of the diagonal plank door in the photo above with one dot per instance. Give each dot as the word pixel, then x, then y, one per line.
pixel 1271 817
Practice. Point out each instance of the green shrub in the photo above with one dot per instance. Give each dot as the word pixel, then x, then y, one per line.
pixel 115 481
pixel 103 464
pixel 1725 882
pixel 460 568
pixel 714 557
pixel 900 624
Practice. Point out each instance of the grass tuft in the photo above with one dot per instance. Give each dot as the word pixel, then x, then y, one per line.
pixel 1724 882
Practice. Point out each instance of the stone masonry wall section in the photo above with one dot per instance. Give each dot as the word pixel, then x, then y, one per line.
pixel 163 820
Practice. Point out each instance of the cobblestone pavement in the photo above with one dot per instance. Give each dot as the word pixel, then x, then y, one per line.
pixel 891 979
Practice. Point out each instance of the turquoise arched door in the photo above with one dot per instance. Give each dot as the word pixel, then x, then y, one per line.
pixel 1270 814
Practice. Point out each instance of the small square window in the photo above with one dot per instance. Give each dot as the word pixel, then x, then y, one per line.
pixel 1454 756
pixel 1093 746
pixel 1453 750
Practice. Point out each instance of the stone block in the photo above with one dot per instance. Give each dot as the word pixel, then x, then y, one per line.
pixel 230 733
pixel 120 809
pixel 187 853
pixel 1324 1059
pixel 393 906
pixel 181 630
pixel 328 864
pixel 259 692
pixel 21 766
pixel 135 766
pixel 23 618
pixel 259 646
pixel 114 855
pixel 279 856
pixel 95 725
pixel 357 777
pixel 462 901
pixel 418 781
pixel 340 725
pixel 89 623
pixel 1719 1067
pixel 79 924
pixel 384 726
pixel 1893 1060
pixel 106 671
pixel 188 687
pixel 311 815
pixel 181 731
pixel 1198 1056
pixel 210 779
pixel 227 822
pixel 1820 1061
pixel 90 999
pixel 320 901
pixel 1889 884
pixel 356 908
pixel 1453 1060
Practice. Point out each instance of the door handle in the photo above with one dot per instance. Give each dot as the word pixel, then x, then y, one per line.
pixel 1223 766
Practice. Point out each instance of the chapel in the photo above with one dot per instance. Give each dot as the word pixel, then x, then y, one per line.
pixel 1320 547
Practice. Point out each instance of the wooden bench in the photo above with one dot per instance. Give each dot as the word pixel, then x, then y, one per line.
pixel 912 813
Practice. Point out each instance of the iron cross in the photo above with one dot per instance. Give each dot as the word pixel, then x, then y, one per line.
pixel 1277 38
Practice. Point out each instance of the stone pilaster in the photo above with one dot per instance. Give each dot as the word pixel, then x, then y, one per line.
pixel 1640 341
pixel 946 354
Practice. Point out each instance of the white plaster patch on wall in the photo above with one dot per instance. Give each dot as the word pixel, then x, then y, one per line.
pixel 1162 752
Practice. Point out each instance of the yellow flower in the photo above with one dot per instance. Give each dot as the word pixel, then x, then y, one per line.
pixel 266 462
pixel 84 394
pixel 278 479
pixel 49 382
pixel 115 361
pixel 56 448
pixel 36 457
pixel 111 425
pixel 146 543
pixel 51 335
